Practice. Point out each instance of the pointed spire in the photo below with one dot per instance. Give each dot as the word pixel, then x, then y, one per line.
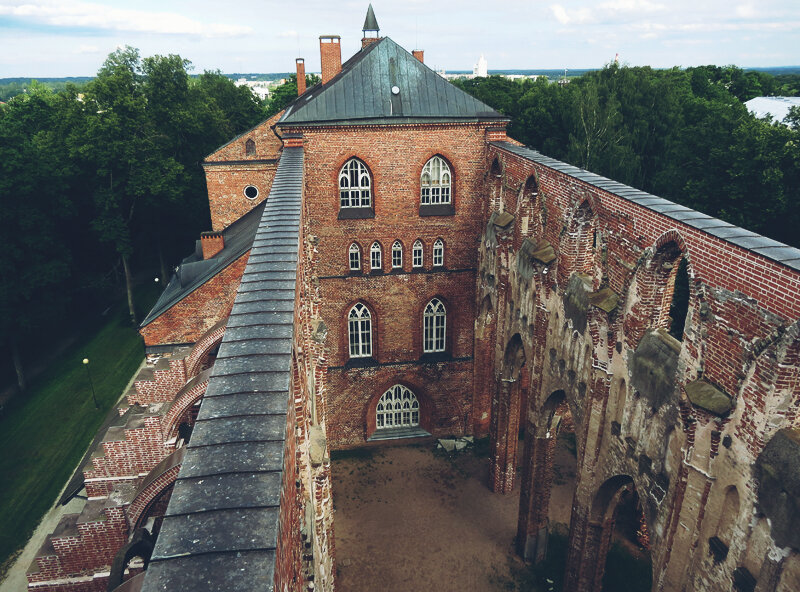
pixel 370 23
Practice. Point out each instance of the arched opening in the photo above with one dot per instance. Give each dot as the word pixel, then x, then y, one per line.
pixel 250 147
pixel 506 410
pixel 549 473
pixel 611 551
pixel 131 559
pixel 527 206
pixel 582 235
pixel 496 185
pixel 720 542
pixel 679 307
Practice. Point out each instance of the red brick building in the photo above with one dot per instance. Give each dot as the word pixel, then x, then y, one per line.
pixel 386 264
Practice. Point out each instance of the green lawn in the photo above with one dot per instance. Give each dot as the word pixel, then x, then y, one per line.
pixel 44 433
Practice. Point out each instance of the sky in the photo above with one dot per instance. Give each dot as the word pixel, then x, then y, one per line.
pixel 57 38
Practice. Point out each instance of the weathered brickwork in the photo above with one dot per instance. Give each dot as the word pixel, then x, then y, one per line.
pixel 230 169
pixel 190 318
pixel 396 296
pixel 688 466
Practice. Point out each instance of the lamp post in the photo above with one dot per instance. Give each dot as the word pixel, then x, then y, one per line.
pixel 91 383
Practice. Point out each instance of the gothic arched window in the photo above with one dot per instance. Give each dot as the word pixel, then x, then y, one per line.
pixel 438 253
pixel 417 254
pixel 375 263
pixel 397 255
pixel 435 182
pixel 397 407
pixel 355 185
pixel 434 321
pixel 355 257
pixel 359 328
pixel 250 148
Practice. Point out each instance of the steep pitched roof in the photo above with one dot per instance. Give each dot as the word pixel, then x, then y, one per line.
pixel 362 93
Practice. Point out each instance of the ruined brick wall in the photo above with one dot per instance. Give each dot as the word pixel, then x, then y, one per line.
pixel 190 318
pixel 232 168
pixel 586 316
pixel 395 156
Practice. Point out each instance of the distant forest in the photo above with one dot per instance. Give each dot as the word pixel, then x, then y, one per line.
pixel 682 134
pixel 100 180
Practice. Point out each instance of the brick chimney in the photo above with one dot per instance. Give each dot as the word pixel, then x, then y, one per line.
pixel 301 76
pixel 419 54
pixel 212 243
pixel 330 54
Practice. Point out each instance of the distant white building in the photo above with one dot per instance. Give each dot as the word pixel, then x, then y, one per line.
pixel 260 88
pixel 775 107
pixel 481 68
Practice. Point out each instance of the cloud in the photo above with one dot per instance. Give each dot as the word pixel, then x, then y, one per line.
pixel 95 16
pixel 637 6
pixel 287 34
pixel 746 11
pixel 565 17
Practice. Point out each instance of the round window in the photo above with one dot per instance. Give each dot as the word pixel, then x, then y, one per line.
pixel 251 192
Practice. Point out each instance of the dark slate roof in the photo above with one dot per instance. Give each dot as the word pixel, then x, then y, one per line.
pixel 220 530
pixel 362 93
pixel 194 271
pixel 771 249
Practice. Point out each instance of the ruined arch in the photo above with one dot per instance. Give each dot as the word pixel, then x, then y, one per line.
pixel 141 545
pixel 205 349
pixel 506 411
pixel 182 409
pixel 590 539
pixel 533 525
pixel 495 184
pixel 577 249
pixel 527 207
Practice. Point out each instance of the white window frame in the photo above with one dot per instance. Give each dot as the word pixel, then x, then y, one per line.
pixel 355 185
pixel 359 331
pixel 417 254
pixel 398 407
pixel 438 253
pixel 375 257
pixel 397 255
pixel 434 327
pixel 354 257
pixel 436 183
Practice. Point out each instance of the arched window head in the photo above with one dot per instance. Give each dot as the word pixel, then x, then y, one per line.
pixel 434 321
pixel 250 148
pixel 398 407
pixel 355 257
pixel 355 185
pixel 397 255
pixel 375 263
pixel 438 253
pixel 359 325
pixel 435 182
pixel 417 254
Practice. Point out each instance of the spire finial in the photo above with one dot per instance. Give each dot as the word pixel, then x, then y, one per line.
pixel 370 23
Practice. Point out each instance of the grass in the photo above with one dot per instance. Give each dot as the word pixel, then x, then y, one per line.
pixel 45 432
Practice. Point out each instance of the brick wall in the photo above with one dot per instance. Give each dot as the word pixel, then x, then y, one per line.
pixel 190 318
pixel 230 169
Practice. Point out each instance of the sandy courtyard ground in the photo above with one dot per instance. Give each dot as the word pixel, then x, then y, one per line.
pixel 408 519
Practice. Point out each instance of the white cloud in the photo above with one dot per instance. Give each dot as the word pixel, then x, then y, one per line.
pixel 564 16
pixel 746 11
pixel 95 16
pixel 637 6
pixel 287 34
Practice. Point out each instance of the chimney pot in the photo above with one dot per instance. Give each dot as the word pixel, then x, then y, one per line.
pixel 330 53
pixel 419 54
pixel 301 76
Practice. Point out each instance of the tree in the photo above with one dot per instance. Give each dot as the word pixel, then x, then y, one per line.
pixel 287 92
